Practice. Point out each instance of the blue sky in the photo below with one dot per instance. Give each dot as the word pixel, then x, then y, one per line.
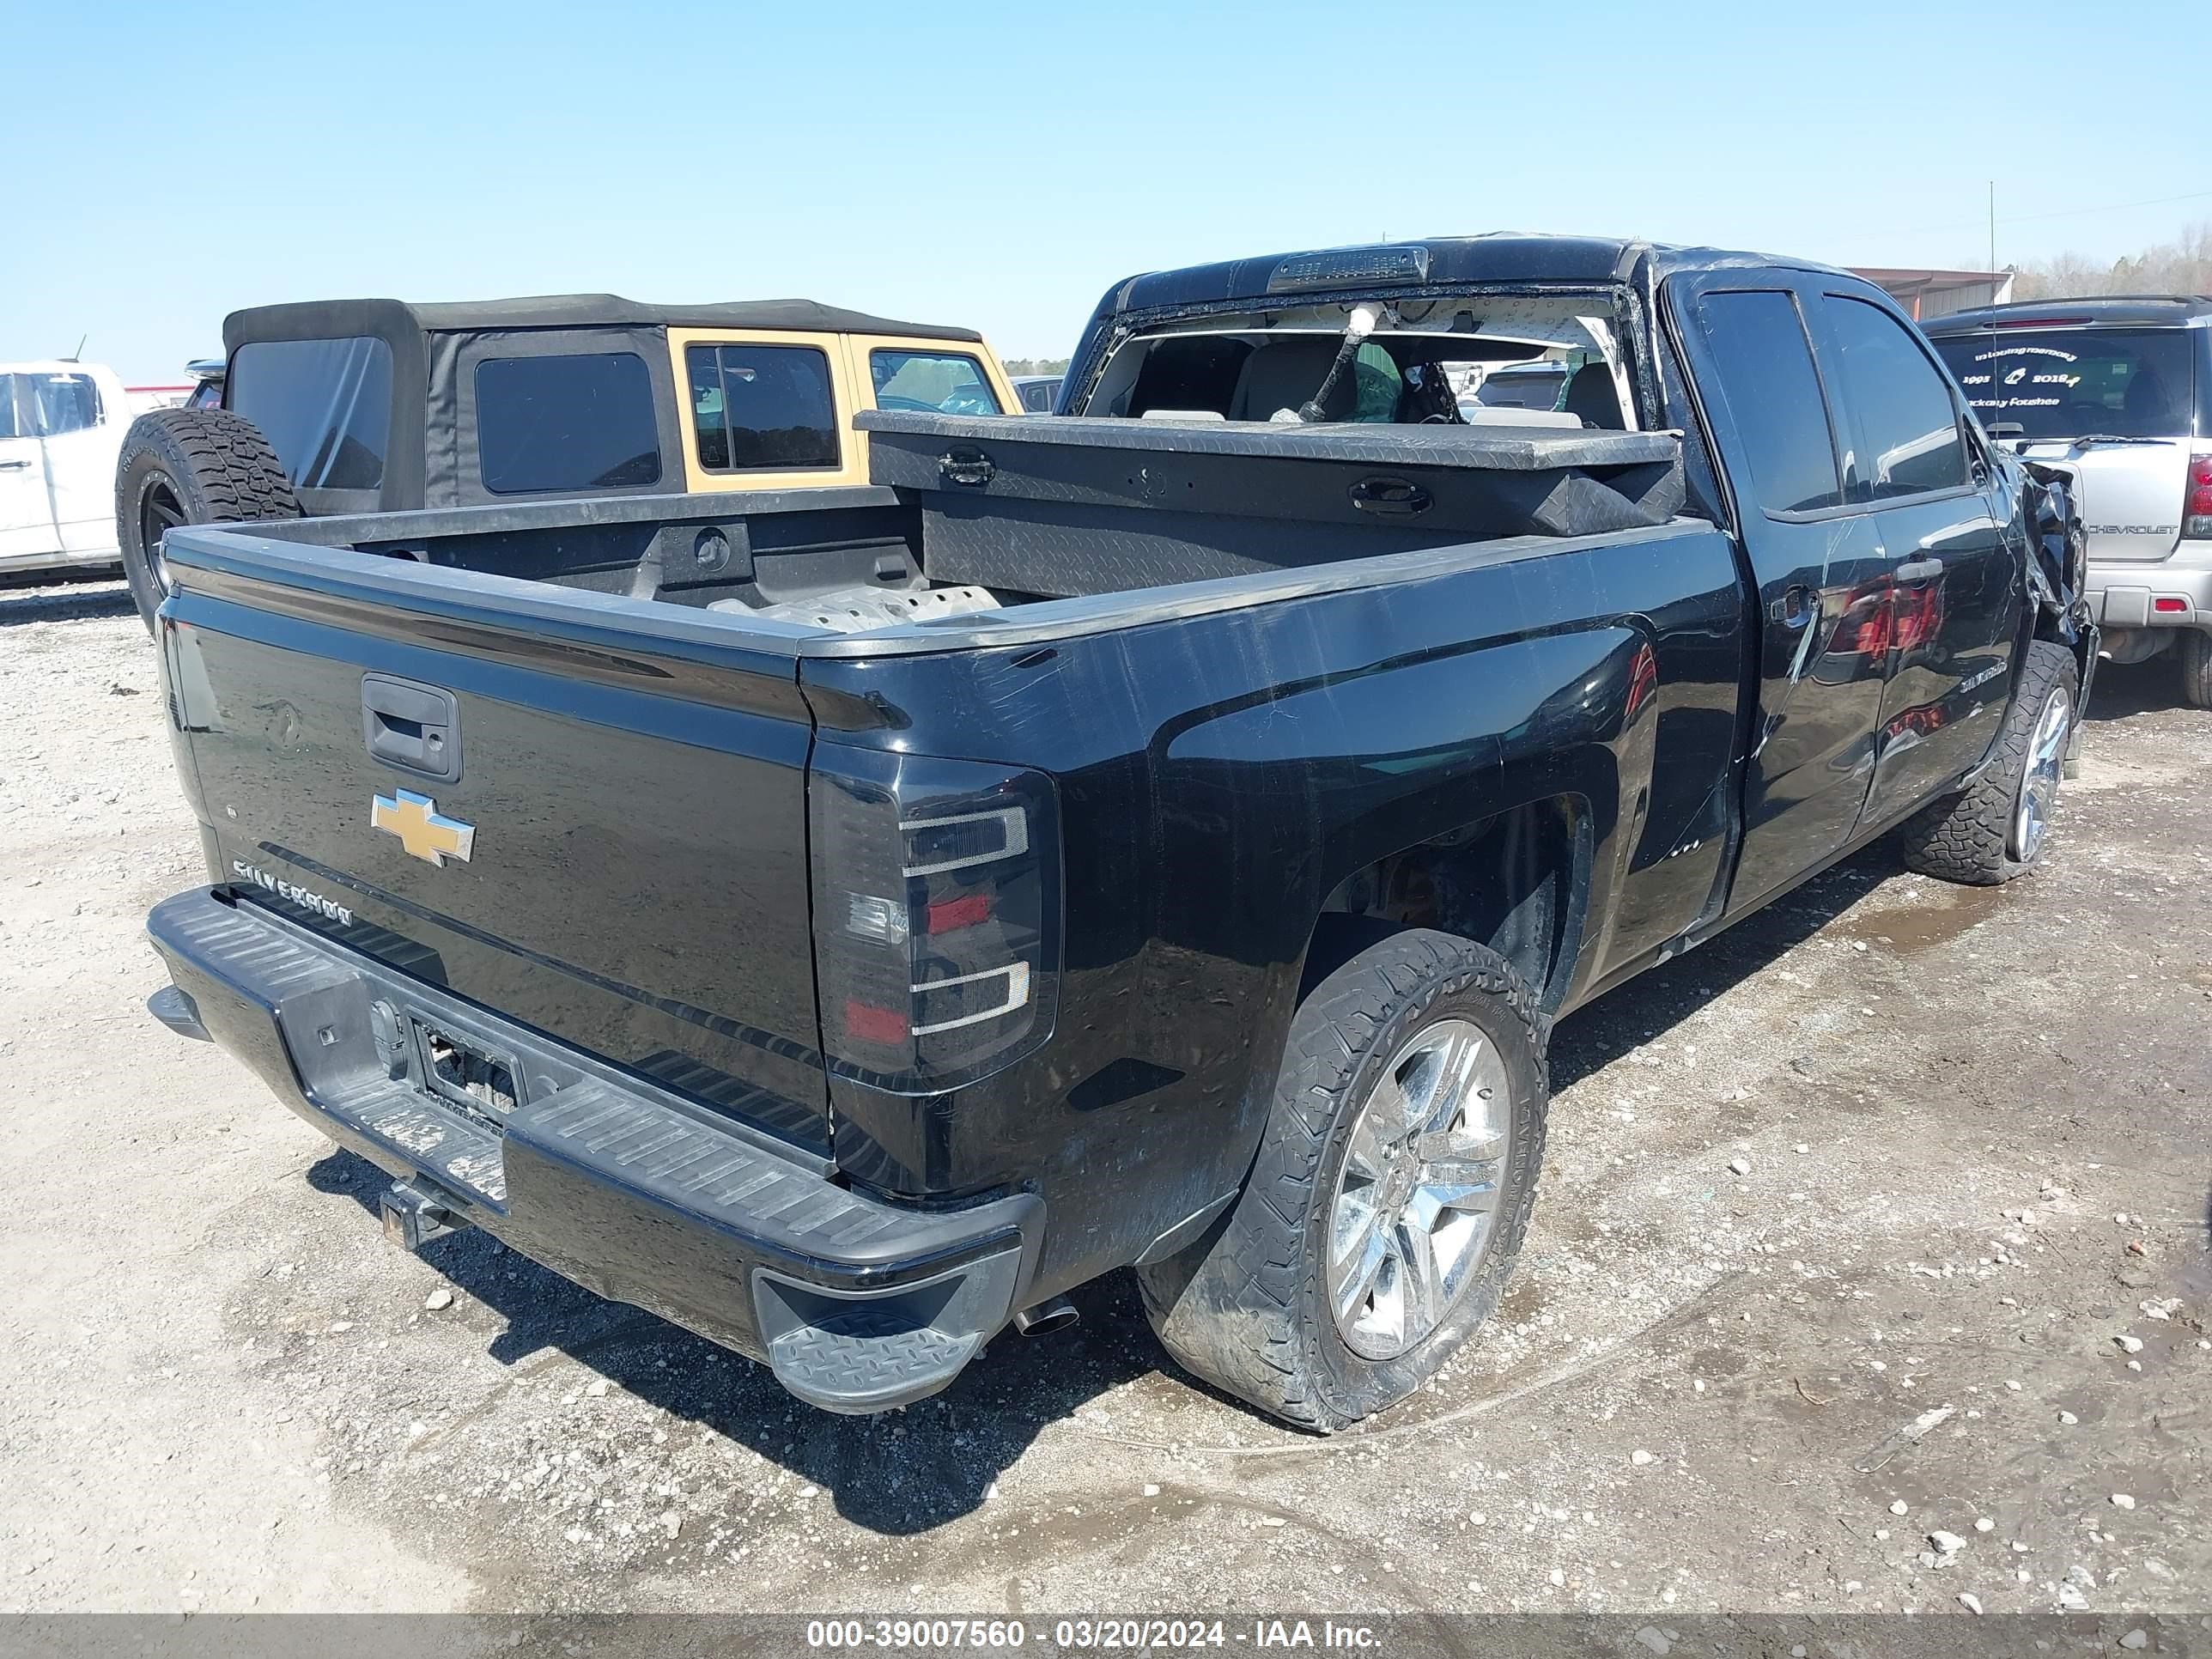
pixel 999 165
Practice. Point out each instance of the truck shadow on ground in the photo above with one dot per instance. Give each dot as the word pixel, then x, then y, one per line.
pixel 908 1472
pixel 2121 690
pixel 899 1474
pixel 1653 1004
pixel 35 598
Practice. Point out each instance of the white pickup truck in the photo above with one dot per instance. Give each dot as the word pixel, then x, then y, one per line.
pixel 61 427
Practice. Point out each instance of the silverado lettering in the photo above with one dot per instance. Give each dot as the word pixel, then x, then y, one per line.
pixel 292 890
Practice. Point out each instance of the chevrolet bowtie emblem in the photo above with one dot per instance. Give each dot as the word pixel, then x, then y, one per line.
pixel 424 831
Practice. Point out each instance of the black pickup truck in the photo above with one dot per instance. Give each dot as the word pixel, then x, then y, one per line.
pixel 1159 834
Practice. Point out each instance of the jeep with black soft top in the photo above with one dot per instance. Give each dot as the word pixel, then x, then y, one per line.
pixel 334 406
pixel 1161 835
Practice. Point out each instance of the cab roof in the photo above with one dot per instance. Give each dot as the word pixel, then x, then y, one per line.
pixel 2172 310
pixel 1498 257
pixel 337 318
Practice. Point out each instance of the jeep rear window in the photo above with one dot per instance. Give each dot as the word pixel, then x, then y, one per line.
pixel 2069 382
pixel 759 406
pixel 579 421
pixel 325 406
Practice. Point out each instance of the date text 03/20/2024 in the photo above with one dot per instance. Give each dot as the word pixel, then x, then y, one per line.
pixel 1088 1634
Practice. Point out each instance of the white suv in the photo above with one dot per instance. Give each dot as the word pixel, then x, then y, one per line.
pixel 61 427
pixel 2122 388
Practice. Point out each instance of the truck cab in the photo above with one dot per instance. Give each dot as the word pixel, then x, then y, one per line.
pixel 61 422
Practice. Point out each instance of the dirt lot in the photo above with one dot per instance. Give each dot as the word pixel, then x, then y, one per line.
pixel 1976 1124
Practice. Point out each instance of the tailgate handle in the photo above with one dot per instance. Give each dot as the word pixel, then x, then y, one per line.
pixel 413 726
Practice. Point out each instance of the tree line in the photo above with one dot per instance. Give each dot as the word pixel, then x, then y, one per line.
pixel 2181 266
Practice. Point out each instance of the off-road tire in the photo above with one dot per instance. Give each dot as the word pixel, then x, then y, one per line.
pixel 1967 836
pixel 1245 1307
pixel 2194 649
pixel 214 467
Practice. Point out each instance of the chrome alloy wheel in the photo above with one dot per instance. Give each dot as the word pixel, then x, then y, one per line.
pixel 1416 1201
pixel 2038 784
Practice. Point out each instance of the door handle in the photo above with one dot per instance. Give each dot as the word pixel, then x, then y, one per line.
pixel 1919 570
pixel 13 466
pixel 1795 608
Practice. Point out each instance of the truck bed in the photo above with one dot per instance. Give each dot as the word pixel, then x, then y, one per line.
pixel 1037 513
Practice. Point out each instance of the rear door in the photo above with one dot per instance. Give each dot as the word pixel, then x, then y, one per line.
pixel 1954 601
pixel 590 821
pixel 80 425
pixel 26 514
pixel 1821 580
pixel 2052 386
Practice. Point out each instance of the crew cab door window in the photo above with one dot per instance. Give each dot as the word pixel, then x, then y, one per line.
pixel 1758 344
pixel 1908 439
pixel 940 382
pixel 762 406
pixel 581 422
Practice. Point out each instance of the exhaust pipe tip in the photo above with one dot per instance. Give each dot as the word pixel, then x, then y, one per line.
pixel 1056 1315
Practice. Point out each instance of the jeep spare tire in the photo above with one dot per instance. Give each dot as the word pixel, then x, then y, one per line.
pixel 190 466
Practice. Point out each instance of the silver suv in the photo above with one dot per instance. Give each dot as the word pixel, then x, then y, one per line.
pixel 2122 389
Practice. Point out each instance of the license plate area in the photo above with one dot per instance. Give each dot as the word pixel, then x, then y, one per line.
pixel 483 1082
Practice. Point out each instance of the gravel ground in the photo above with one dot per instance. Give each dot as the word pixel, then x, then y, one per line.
pixel 1943 1335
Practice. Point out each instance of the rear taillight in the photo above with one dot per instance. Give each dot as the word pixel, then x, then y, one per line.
pixel 2197 505
pixel 936 913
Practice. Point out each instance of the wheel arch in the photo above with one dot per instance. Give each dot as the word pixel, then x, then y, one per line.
pixel 1516 879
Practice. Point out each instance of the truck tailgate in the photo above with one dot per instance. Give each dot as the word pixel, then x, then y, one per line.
pixel 617 856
